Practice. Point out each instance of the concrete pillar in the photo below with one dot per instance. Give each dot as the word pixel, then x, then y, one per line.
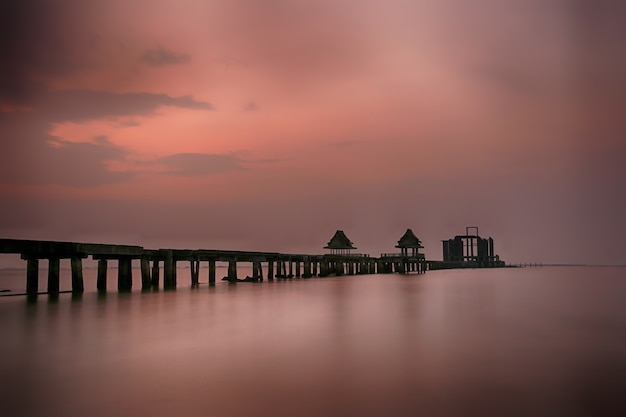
pixel 194 267
pixel 256 267
pixel 323 268
pixel 314 267
pixel 124 274
pixel 307 269
pixel 290 269
pixel 32 276
pixel 169 271
pixel 145 274
pixel 339 268
pixel 102 275
pixel 212 271
pixel 270 270
pixel 232 270
pixel 154 281
pixel 297 269
pixel 78 285
pixel 53 276
pixel 350 268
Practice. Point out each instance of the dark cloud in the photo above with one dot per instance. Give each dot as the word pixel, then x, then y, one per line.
pixel 161 57
pixel 197 164
pixel 31 156
pixel 51 161
pixel 43 39
pixel 81 105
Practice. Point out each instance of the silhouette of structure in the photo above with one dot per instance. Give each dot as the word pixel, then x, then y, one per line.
pixel 409 241
pixel 340 244
pixel 465 251
pixel 470 250
pixel 404 261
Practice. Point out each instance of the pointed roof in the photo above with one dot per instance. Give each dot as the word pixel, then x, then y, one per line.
pixel 409 240
pixel 339 241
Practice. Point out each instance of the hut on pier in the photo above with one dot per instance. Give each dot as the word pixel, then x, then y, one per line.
pixel 409 241
pixel 340 244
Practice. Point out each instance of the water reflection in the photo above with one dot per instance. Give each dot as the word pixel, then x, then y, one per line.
pixel 451 343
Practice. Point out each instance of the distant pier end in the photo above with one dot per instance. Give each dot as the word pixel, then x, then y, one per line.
pixel 468 251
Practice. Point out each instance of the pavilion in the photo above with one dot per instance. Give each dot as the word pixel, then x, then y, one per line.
pixel 340 244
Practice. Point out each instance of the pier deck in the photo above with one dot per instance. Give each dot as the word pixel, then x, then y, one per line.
pixel 278 265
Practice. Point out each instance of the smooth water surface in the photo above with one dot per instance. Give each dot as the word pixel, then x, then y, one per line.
pixel 501 342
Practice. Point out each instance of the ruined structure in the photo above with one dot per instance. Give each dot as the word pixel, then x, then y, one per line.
pixel 470 250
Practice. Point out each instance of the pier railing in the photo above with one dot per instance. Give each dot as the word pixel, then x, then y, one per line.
pixel 401 255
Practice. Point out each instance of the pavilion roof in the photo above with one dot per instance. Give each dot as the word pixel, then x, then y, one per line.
pixel 409 240
pixel 339 241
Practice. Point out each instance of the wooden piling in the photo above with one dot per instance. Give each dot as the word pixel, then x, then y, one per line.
pixel 53 276
pixel 212 271
pixel 307 269
pixel 146 281
pixel 32 276
pixel 154 279
pixel 194 266
pixel 124 275
pixel 78 285
pixel 232 270
pixel 102 275
pixel 169 271
pixel 270 270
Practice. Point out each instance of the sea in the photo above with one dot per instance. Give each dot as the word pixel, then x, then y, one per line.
pixel 541 341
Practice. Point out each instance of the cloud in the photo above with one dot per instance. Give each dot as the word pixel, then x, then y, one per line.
pixel 27 156
pixel 161 57
pixel 58 162
pixel 82 105
pixel 198 164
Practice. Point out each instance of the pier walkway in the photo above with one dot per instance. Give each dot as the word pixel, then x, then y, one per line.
pixel 278 265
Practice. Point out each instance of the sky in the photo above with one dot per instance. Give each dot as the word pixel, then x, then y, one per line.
pixel 267 125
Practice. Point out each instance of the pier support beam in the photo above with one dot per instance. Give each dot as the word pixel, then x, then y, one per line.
pixel 232 271
pixel 169 271
pixel 32 276
pixel 298 269
pixel 194 267
pixel 78 286
pixel 101 283
pixel 124 275
pixel 154 280
pixel 270 270
pixel 212 271
pixel 53 276
pixel 146 281
pixel 307 269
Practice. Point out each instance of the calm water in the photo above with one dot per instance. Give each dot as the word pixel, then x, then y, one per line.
pixel 502 342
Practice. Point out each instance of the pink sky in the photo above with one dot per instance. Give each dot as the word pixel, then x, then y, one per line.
pixel 267 125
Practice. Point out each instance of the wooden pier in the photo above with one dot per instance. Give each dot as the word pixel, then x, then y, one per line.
pixel 278 265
